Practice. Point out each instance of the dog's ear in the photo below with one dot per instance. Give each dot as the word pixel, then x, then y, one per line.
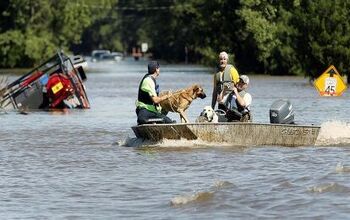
pixel 196 87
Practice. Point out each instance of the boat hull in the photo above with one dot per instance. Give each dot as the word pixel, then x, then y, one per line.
pixel 236 134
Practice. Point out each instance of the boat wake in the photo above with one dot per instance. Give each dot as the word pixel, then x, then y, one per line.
pixel 340 168
pixel 168 144
pixel 201 196
pixel 334 133
pixel 197 197
pixel 329 187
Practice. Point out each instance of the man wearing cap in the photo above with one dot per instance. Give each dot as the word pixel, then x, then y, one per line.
pixel 148 109
pixel 224 80
pixel 237 105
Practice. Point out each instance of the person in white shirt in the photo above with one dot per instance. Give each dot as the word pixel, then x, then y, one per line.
pixel 237 105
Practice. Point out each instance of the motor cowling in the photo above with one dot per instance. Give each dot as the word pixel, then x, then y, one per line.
pixel 282 112
pixel 58 88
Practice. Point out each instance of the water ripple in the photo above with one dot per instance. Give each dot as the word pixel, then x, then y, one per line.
pixel 75 165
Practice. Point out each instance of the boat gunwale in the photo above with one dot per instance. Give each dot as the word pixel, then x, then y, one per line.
pixel 227 123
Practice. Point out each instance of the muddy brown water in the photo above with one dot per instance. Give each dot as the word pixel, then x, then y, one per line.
pixel 75 165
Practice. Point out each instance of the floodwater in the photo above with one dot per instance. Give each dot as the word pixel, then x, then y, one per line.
pixel 78 165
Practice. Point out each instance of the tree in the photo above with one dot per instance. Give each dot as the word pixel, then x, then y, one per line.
pixel 38 28
pixel 324 39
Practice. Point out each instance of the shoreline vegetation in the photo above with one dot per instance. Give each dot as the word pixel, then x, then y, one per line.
pixel 270 37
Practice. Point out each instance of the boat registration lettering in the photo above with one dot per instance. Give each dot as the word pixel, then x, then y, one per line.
pixel 298 131
pixel 57 87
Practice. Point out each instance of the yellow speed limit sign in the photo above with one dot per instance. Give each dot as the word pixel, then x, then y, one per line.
pixel 330 83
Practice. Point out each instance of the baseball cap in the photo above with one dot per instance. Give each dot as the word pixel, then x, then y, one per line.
pixel 244 79
pixel 152 66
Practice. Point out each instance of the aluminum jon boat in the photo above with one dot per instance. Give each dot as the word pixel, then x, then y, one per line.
pixel 236 133
pixel 281 131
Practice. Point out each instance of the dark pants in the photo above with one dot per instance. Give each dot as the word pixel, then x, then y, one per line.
pixel 231 114
pixel 145 117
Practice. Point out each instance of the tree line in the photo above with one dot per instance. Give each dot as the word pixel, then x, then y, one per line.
pixel 296 37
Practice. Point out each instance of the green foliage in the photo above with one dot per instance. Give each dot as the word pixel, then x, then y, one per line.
pixel 264 36
pixel 104 32
pixel 76 18
pixel 324 39
pixel 38 47
pixel 11 48
pixel 267 32
pixel 36 29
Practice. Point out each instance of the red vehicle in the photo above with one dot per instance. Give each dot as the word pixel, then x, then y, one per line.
pixel 55 84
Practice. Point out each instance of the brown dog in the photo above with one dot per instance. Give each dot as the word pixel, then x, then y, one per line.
pixel 180 100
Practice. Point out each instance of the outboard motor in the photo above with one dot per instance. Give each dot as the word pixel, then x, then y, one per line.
pixel 282 112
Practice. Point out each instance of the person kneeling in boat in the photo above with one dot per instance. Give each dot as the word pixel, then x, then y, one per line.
pixel 148 110
pixel 237 104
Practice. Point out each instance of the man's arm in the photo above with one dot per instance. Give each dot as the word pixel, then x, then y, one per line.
pixel 149 87
pixel 158 99
pixel 214 96
pixel 248 99
pixel 240 99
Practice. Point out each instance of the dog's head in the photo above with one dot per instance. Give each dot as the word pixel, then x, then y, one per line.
pixel 209 113
pixel 198 91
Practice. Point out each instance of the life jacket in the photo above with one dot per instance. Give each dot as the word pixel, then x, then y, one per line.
pixel 144 97
pixel 236 112
pixel 223 79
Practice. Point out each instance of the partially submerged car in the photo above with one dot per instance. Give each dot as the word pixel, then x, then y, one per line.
pixel 96 55
pixel 114 56
pixel 106 55
pixel 55 84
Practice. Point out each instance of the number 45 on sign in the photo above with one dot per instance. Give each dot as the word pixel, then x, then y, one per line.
pixel 330 83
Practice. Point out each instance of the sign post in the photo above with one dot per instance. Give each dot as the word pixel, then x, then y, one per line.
pixel 144 47
pixel 330 83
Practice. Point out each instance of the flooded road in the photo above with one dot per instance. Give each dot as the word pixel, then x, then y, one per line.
pixel 74 165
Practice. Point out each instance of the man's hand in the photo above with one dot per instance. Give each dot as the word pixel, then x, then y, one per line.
pixel 220 97
pixel 235 90
pixel 168 95
pixel 162 97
